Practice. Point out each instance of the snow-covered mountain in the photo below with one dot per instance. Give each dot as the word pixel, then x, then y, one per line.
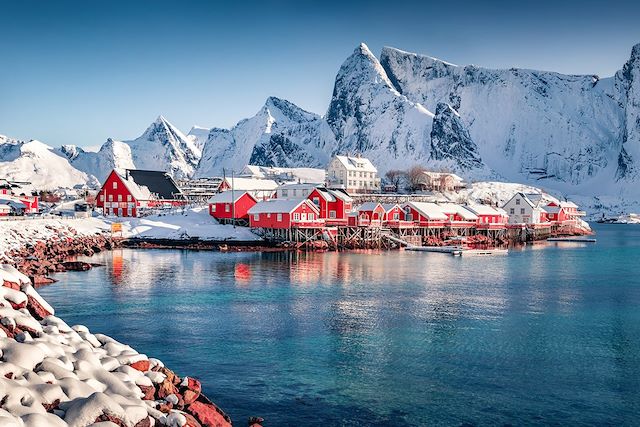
pixel 280 134
pixel 164 147
pixel 369 116
pixel 40 164
pixel 112 155
pixel 199 136
pixel 527 124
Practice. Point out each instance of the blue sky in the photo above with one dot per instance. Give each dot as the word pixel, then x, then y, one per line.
pixel 78 72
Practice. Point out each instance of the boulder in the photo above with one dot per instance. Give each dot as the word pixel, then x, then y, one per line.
pixel 141 365
pixel 208 415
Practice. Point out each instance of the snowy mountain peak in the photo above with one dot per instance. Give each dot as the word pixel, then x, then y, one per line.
pixel 450 140
pixel 162 146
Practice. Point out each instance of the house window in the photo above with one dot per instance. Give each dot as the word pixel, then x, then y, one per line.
pixel 256 217
pixel 115 185
pixel 296 216
pixel 128 197
pixel 316 201
pixel 269 215
pixel 102 197
pixel 119 197
pixel 517 201
pixel 332 214
pixel 512 211
pixel 227 207
pixel 521 211
pixel 279 217
pixel 111 197
pixel 213 207
pixel 396 216
pixel 128 211
pixel 311 217
pixel 295 192
pixel 303 216
pixel 285 193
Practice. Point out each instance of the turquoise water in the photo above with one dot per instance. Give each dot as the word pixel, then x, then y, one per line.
pixel 546 335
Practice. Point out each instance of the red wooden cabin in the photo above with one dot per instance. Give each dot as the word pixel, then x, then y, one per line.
pixel 287 213
pixel 231 205
pixel 425 214
pixel 333 205
pixel 137 190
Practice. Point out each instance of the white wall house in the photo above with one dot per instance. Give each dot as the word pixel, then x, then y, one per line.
pixel 354 174
pixel 525 208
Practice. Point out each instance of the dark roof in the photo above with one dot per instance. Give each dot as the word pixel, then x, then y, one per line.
pixel 157 182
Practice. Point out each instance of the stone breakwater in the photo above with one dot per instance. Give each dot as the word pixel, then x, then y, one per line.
pixel 52 374
pixel 43 257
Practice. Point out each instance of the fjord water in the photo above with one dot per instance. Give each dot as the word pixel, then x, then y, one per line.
pixel 549 334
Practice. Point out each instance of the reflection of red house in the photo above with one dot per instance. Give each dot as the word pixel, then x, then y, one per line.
pixel 230 205
pixel 278 213
pixel 333 205
pixel 137 190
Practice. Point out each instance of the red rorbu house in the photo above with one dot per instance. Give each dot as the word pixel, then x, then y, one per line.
pixel 562 212
pixel 394 216
pixel 231 206
pixel 18 191
pixel 137 190
pixel 287 213
pixel 369 214
pixel 334 205
pixel 425 214
pixel 489 217
pixel 458 215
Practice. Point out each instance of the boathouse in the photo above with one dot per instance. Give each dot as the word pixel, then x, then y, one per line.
pixel 369 214
pixel 231 206
pixel 333 205
pixel 137 190
pixel 488 216
pixel 425 214
pixel 284 214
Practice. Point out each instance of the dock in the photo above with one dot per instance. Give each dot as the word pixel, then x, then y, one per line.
pixel 571 239
pixel 453 250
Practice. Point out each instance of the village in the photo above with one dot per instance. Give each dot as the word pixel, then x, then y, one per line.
pixel 346 206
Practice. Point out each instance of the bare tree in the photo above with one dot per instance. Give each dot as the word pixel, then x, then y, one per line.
pixel 415 178
pixel 394 177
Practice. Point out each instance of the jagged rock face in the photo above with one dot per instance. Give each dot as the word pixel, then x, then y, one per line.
pixel 112 155
pixel 71 151
pixel 163 147
pixel 526 123
pixel 369 116
pixel 627 82
pixel 199 136
pixel 450 140
pixel 280 134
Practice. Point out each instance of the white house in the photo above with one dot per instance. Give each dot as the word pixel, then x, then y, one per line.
pixel 294 191
pixel 354 174
pixel 441 181
pixel 526 208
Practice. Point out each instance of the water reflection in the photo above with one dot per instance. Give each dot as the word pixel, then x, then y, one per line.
pixel 547 334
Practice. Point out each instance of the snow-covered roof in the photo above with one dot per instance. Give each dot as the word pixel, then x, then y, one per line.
pixel 389 206
pixel 279 206
pixel 533 199
pixel 437 175
pixel 249 184
pixel 228 197
pixel 429 210
pixel 138 192
pixel 357 163
pixel 480 209
pixel 452 208
pixel 340 194
pixel 368 206
pixel 568 204
pixel 12 202
pixel 551 209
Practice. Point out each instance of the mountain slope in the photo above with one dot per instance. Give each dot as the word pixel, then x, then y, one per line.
pixel 527 124
pixel 280 134
pixel 112 155
pixel 627 82
pixel 163 147
pixel 369 116
pixel 39 164
pixel 450 140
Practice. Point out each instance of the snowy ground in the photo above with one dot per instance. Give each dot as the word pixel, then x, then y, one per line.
pixel 181 224
pixel 195 222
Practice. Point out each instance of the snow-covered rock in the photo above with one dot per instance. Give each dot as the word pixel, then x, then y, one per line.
pixel 450 140
pixel 199 136
pixel 627 81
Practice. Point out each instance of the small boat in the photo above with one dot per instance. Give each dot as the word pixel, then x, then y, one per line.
pixel 454 250
pixel 572 239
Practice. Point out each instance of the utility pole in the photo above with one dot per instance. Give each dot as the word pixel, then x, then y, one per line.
pixel 233 201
